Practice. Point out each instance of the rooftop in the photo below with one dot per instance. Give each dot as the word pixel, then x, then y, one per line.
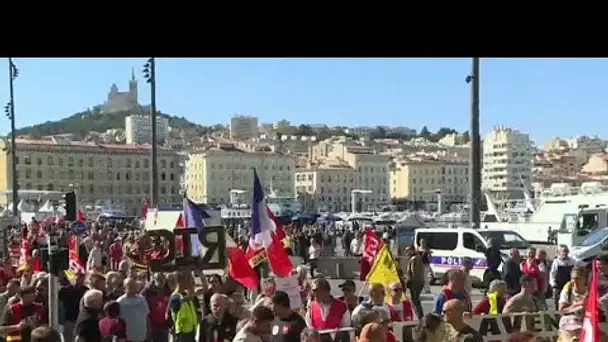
pixel 59 142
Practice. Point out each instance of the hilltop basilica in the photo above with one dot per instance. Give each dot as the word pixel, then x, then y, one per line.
pixel 122 100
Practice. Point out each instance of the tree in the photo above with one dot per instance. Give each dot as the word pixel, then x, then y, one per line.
pixel 305 130
pixel 424 132
pixel 466 137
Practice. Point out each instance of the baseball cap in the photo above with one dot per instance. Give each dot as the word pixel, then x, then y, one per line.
pixel 348 284
pixel 570 323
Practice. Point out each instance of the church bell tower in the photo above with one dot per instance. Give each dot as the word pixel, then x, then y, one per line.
pixel 133 88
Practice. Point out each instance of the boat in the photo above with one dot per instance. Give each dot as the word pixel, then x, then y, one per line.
pixel 555 207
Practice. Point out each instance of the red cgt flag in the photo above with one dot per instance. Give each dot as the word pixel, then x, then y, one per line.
pixel 591 324
pixel 371 245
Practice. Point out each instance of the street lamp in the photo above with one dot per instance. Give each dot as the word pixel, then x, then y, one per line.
pixel 149 72
pixel 9 111
pixel 353 198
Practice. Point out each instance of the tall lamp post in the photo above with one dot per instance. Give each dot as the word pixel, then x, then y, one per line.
pixel 9 110
pixel 475 154
pixel 150 76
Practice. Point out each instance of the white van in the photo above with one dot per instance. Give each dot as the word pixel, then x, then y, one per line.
pixel 450 245
pixel 593 245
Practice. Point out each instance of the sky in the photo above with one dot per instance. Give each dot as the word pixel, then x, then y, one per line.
pixel 542 97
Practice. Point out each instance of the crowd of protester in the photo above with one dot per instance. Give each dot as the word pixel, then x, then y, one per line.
pixel 115 299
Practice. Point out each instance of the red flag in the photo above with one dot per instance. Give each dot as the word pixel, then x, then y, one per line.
pixel 80 216
pixel 591 323
pixel 371 245
pixel 239 268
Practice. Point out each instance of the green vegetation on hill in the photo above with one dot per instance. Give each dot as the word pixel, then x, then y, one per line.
pixel 92 120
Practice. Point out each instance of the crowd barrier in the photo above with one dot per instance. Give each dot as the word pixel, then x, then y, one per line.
pixel 544 325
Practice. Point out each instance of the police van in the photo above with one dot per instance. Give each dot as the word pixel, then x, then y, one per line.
pixel 450 245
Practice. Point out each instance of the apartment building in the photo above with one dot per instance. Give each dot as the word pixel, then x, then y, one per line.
pixel 138 129
pixel 243 127
pixel 120 173
pixel 371 168
pixel 507 162
pixel 326 185
pixel 597 165
pixel 215 170
pixel 420 178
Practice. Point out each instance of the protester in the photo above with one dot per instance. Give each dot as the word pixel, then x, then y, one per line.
pixel 134 310
pixel 425 253
pixel 401 308
pixel 218 325
pixel 453 311
pixel 45 334
pixel 454 289
pixel 372 332
pixel 86 328
pixel 349 297
pixel 560 272
pixel 70 296
pixel 310 335
pixel 376 298
pixel 157 296
pixel 511 272
pixel 531 267
pixel 326 312
pixel 12 288
pixel 257 327
pixel 112 327
pixel 525 300
pixel 415 277
pixel 493 261
pixel 289 324
pixel 466 267
pixel 574 293
pixel 183 311
pixel 494 301
pixel 314 252
pixel 23 316
pixel 432 328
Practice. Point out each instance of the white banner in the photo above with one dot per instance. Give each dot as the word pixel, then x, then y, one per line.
pixel 497 328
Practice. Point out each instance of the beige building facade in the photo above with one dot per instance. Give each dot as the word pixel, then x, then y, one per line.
pixel 120 173
pixel 243 127
pixel 421 178
pixel 214 171
pixel 597 165
pixel 326 185
pixel 371 167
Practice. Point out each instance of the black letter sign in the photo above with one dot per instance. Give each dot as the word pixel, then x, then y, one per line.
pixel 212 254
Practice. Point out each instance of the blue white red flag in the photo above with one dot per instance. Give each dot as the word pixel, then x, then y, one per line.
pixel 265 234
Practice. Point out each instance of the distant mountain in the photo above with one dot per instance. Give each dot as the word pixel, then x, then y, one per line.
pixel 93 120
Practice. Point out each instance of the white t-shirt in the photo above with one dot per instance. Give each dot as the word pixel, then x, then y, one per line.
pixel 313 252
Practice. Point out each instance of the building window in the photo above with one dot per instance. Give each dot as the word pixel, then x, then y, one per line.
pixel 171 177
pixel 70 161
pixel 128 176
pixel 137 164
pixel 49 160
pixel 91 175
pixel 128 163
pixel 137 176
pixel 50 187
pixel 39 174
pixel 60 161
pixel 162 176
pixel 146 163
pixel 80 163
pixel 28 161
pixel 109 162
pixel 171 164
pixel 39 161
pixel 91 162
pixel 163 163
pixel 28 173
pixel 109 175
pixel 117 176
pixel 91 189
pixel 71 175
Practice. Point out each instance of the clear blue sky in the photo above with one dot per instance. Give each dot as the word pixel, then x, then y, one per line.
pixel 543 97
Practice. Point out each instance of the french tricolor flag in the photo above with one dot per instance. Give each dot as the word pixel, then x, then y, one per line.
pixel 265 234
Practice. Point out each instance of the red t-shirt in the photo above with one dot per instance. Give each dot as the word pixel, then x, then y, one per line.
pixel 116 251
pixel 534 271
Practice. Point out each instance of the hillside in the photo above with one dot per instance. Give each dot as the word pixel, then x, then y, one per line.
pixel 93 120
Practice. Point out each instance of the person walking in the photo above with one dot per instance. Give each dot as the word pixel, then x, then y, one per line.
pixel 134 310
pixel 559 275
pixel 425 254
pixel 415 273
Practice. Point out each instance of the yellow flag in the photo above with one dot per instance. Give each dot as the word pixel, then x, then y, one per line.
pixel 384 270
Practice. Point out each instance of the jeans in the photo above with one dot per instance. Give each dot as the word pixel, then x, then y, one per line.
pixel 415 291
pixel 427 278
pixel 186 337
